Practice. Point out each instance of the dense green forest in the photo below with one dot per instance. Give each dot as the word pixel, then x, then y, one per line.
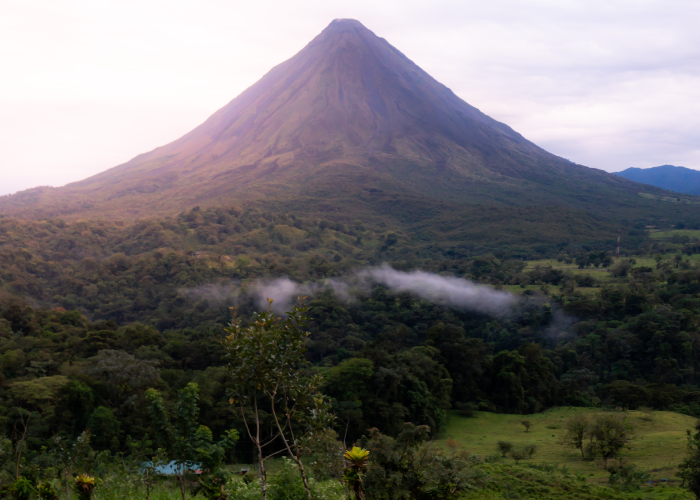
pixel 94 314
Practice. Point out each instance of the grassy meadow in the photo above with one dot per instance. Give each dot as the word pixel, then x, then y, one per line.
pixel 658 445
pixel 662 235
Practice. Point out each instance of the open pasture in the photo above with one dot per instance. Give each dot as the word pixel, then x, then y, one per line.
pixel 662 235
pixel 659 444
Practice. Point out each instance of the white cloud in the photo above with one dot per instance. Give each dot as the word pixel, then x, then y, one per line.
pixel 87 85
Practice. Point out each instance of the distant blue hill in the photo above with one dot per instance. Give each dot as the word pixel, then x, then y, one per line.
pixel 678 179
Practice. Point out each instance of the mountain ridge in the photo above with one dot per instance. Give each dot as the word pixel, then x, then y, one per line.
pixel 669 177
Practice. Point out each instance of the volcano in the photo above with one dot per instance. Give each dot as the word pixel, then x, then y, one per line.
pixel 347 118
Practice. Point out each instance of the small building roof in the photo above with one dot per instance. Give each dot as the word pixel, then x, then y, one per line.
pixel 172 468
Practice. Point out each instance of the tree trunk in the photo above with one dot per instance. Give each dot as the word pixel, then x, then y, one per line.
pixel 19 458
pixel 19 446
pixel 67 488
pixel 182 482
pixel 302 472
pixel 294 454
pixel 358 491
pixel 347 426
pixel 303 478
pixel 256 439
pixel 261 469
pixel 148 486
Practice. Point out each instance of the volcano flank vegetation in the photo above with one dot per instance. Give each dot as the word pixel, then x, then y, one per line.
pixel 349 175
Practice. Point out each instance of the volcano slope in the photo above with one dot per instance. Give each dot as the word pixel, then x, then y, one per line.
pixel 351 128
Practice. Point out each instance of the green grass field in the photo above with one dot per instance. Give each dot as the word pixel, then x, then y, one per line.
pixel 657 447
pixel 661 235
pixel 600 273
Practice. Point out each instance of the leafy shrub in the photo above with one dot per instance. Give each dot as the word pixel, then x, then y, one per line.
pixel 22 489
pixel 504 447
pixel 407 467
pixel 46 491
pixel 287 484
pixel 627 477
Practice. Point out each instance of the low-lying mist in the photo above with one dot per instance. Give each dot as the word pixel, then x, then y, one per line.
pixel 448 291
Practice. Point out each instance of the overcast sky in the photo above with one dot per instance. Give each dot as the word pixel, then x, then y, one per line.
pixel 88 84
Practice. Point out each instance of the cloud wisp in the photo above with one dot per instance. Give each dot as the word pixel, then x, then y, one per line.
pixel 454 292
pixel 447 291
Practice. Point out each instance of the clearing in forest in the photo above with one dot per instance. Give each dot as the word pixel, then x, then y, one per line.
pixel 657 447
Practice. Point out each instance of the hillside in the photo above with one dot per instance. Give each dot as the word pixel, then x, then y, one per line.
pixel 348 126
pixel 670 177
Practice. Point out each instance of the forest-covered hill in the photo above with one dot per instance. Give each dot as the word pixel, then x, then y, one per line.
pixel 136 272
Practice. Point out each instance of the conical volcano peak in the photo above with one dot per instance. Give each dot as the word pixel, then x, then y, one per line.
pixel 346 114
pixel 341 25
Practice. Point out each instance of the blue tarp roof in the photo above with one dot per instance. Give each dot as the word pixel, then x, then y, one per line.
pixel 172 468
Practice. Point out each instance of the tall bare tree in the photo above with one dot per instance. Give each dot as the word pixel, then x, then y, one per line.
pixel 265 362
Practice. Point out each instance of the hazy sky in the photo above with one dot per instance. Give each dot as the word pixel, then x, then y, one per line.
pixel 88 84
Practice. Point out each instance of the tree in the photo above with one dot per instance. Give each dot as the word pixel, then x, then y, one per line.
pixel 523 453
pixel 626 394
pixel 265 361
pixel 104 427
pixel 408 467
pixel 527 424
pixel 178 438
pixel 466 359
pixel 677 260
pixel 122 373
pixel 518 455
pixel 523 380
pixel 609 436
pixel 622 268
pixel 349 384
pixel 576 432
pixel 658 258
pixel 185 441
pixel 20 437
pixel 689 469
pixel 328 455
pixel 504 447
pixel 69 457
pixel 212 480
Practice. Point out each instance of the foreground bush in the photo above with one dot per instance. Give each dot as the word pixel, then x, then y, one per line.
pixel 410 467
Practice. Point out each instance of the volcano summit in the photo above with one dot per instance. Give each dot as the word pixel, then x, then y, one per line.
pixel 346 117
